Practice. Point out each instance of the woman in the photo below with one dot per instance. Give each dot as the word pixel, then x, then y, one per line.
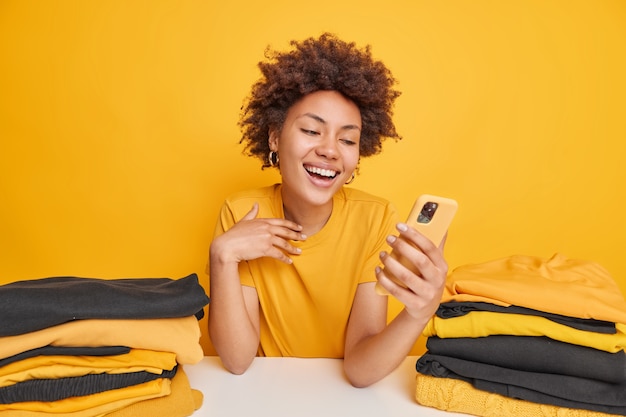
pixel 293 266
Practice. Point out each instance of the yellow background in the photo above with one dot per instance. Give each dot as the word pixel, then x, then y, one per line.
pixel 119 139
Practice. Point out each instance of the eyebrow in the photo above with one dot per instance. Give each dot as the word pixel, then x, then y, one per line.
pixel 321 120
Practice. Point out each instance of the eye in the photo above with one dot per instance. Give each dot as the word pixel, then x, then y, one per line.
pixel 348 142
pixel 309 132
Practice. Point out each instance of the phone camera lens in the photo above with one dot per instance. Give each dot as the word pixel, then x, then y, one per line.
pixel 427 212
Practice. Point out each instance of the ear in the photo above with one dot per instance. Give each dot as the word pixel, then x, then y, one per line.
pixel 273 140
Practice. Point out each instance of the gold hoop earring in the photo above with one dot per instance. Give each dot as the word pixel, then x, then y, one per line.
pixel 351 178
pixel 272 158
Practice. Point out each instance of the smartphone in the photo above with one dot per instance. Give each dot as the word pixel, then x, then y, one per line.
pixel 431 215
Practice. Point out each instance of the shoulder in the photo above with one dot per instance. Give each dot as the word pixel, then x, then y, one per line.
pixel 240 202
pixel 363 216
pixel 355 203
pixel 356 197
pixel 256 194
pixel 263 192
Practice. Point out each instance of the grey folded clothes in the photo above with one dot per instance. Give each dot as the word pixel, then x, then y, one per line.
pixel 27 306
pixel 553 389
pixel 534 354
pixel 66 350
pixel 56 389
pixel 457 308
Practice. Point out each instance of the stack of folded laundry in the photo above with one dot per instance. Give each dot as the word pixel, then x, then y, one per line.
pixel 86 347
pixel 524 336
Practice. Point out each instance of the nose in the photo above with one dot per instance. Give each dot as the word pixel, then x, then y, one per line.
pixel 328 147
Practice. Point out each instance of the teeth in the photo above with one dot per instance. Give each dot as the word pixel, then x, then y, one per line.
pixel 323 172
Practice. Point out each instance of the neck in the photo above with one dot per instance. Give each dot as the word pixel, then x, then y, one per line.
pixel 312 219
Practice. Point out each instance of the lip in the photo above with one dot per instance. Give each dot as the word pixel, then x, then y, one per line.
pixel 317 181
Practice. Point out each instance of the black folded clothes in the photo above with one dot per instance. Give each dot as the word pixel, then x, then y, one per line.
pixel 27 306
pixel 456 309
pixel 49 390
pixel 66 351
pixel 535 354
pixel 542 388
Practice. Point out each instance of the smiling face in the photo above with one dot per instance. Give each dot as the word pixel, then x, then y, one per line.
pixel 318 147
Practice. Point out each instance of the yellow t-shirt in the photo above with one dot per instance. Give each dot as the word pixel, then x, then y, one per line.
pixel 66 366
pixel 569 287
pixel 488 323
pixel 305 306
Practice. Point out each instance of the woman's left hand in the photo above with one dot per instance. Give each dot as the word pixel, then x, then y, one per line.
pixel 420 278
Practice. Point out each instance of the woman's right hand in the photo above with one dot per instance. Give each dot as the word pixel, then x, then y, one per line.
pixel 252 238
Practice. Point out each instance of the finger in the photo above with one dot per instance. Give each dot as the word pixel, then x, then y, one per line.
pixel 416 299
pixel 412 235
pixel 442 245
pixel 413 267
pixel 285 246
pixel 425 245
pixel 383 283
pixel 401 268
pixel 282 223
pixel 252 213
pixel 280 255
pixel 284 228
pixel 283 253
pixel 289 234
pixel 399 292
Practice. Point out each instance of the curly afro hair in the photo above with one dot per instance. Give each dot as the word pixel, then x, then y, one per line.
pixel 325 63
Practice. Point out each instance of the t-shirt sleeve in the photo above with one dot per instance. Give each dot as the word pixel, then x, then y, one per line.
pixel 385 227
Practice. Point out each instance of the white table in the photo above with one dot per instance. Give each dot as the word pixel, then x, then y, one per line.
pixel 295 387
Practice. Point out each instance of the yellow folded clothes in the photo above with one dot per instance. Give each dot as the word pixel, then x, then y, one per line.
pixel 98 411
pixel 458 396
pixel 486 323
pixel 181 402
pixel 64 366
pixel 157 388
pixel 178 335
pixel 558 285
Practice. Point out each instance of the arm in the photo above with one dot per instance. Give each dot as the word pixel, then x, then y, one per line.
pixel 234 309
pixel 233 316
pixel 374 349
